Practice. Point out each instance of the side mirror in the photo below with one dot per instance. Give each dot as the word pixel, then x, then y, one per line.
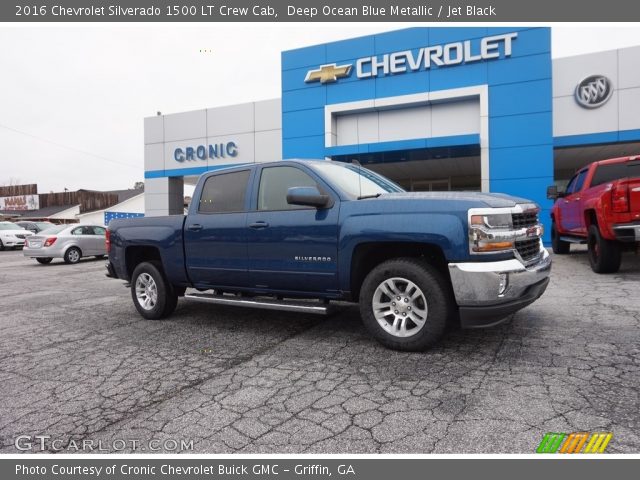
pixel 553 193
pixel 307 196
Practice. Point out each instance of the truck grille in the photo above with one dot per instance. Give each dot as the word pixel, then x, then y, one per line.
pixel 524 220
pixel 528 249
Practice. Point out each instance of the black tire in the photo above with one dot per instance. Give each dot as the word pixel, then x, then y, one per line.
pixel 72 255
pixel 166 297
pixel 44 260
pixel 1 246
pixel 559 247
pixel 604 255
pixel 436 297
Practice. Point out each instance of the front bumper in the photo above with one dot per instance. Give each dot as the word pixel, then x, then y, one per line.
pixel 627 232
pixel 13 242
pixel 481 294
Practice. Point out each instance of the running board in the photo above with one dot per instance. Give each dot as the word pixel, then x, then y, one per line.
pixel 573 239
pixel 264 303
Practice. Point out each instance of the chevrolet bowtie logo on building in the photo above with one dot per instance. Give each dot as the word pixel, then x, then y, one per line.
pixel 580 442
pixel 328 73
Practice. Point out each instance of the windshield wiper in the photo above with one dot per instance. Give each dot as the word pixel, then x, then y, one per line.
pixel 375 195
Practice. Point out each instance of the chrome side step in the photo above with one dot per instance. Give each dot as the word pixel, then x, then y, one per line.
pixel 264 303
pixel 573 239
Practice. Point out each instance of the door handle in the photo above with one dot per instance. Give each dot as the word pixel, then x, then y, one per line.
pixel 258 225
pixel 196 227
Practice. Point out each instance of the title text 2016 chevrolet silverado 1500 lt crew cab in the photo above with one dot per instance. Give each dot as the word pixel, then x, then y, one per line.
pixel 600 207
pixel 278 235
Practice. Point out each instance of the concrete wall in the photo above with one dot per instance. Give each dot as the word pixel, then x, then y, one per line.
pixel 615 121
pixel 254 129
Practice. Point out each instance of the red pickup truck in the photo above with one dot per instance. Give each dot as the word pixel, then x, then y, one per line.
pixel 600 207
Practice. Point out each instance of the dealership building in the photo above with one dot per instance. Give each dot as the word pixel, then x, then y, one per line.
pixel 434 109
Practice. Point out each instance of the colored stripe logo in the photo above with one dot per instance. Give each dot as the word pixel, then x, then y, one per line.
pixel 579 442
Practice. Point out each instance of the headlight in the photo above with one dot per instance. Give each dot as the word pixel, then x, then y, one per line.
pixel 490 232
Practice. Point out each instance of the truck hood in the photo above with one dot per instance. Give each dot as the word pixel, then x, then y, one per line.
pixel 492 200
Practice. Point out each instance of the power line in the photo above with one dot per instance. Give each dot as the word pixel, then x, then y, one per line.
pixel 73 149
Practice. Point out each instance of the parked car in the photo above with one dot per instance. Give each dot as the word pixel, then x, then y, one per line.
pixel 12 235
pixel 69 242
pixel 600 207
pixel 265 235
pixel 35 227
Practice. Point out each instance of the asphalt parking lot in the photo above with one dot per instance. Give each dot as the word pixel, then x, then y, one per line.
pixel 77 363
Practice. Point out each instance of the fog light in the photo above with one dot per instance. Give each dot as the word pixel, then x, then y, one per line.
pixel 504 283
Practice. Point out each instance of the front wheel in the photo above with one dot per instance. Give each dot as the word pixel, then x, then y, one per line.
pixel 44 260
pixel 559 247
pixel 153 296
pixel 604 255
pixel 405 304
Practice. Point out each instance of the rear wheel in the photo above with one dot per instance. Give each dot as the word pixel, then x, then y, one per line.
pixel 72 255
pixel 604 255
pixel 44 260
pixel 560 247
pixel 153 296
pixel 1 246
pixel 405 304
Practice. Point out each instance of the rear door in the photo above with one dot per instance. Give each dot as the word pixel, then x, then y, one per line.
pixel 83 238
pixel 99 239
pixel 290 247
pixel 215 235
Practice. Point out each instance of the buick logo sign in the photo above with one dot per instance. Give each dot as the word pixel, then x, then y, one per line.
pixel 594 91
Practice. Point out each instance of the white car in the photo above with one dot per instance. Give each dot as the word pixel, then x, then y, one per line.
pixel 12 235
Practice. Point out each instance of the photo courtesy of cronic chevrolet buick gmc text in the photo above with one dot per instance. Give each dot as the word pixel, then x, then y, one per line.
pixel 277 235
pixel 600 207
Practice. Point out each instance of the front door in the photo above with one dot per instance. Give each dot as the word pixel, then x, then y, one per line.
pixel 290 247
pixel 215 235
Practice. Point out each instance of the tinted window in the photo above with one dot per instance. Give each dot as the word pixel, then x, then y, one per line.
pixel 571 185
pixel 78 231
pixel 609 173
pixel 224 193
pixel 274 183
pixel 580 180
pixel 99 231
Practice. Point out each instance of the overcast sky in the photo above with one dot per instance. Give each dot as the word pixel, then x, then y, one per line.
pixel 73 99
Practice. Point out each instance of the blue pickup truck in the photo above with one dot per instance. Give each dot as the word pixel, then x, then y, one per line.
pixel 296 235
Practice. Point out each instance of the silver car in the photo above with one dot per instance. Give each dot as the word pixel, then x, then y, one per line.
pixel 69 242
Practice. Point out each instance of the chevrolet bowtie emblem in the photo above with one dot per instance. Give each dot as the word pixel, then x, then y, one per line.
pixel 328 73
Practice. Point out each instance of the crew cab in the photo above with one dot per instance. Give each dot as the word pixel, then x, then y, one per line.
pixel 297 235
pixel 600 207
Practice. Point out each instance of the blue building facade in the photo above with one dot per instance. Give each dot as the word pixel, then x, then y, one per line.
pixel 505 72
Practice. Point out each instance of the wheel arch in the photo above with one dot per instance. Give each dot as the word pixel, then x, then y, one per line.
pixel 367 256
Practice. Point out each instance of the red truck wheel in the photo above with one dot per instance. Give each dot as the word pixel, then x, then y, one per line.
pixel 559 247
pixel 604 255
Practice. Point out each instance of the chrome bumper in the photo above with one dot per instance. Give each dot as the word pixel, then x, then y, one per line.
pixel 629 232
pixel 481 294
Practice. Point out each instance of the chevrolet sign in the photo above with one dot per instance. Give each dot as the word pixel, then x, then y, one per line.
pixel 455 53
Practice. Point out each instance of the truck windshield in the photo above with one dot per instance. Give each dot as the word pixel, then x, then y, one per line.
pixel 356 181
